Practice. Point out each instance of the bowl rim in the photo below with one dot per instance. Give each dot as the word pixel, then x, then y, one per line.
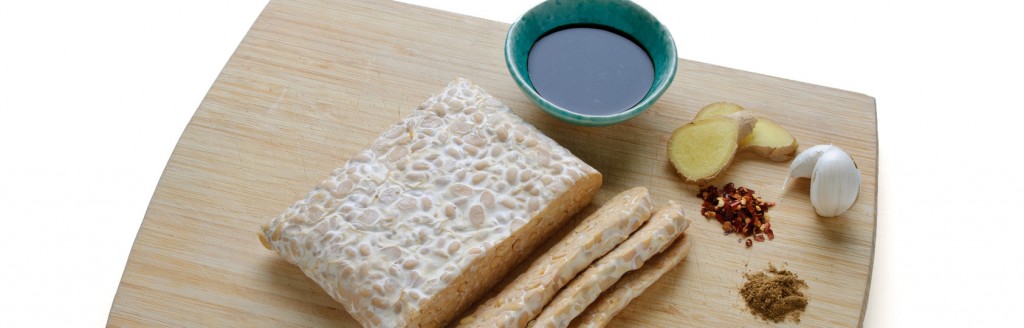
pixel 586 119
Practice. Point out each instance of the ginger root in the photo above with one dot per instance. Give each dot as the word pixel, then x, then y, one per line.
pixel 717 109
pixel 700 150
pixel 769 139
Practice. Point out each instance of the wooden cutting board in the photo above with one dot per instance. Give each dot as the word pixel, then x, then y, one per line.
pixel 315 81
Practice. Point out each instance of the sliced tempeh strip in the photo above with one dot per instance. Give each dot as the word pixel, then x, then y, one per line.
pixel 523 299
pixel 613 300
pixel 665 225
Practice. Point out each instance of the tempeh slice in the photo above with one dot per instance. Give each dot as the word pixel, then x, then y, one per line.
pixel 665 225
pixel 525 297
pixel 613 300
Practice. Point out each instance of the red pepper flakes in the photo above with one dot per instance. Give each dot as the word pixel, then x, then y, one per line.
pixel 738 210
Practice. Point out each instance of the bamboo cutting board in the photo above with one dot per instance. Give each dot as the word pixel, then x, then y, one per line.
pixel 315 81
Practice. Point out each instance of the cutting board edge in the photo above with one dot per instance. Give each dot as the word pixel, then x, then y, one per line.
pixel 177 144
pixel 874 229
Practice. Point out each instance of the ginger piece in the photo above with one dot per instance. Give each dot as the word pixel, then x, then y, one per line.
pixel 700 150
pixel 717 109
pixel 769 139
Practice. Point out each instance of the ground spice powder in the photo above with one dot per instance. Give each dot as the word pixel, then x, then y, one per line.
pixel 775 295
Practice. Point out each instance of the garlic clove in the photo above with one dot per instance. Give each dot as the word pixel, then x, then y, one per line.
pixel 803 165
pixel 835 182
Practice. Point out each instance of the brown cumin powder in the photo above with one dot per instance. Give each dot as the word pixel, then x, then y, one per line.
pixel 775 295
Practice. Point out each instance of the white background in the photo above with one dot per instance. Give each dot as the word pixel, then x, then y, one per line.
pixel 94 95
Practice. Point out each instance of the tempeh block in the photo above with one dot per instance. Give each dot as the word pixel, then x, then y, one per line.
pixel 442 205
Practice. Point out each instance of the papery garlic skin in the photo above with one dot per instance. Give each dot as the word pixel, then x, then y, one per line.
pixel 835 183
pixel 835 179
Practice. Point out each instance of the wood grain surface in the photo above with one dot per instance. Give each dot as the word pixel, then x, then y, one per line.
pixel 315 81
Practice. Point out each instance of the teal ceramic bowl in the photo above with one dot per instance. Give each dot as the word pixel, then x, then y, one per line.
pixel 623 16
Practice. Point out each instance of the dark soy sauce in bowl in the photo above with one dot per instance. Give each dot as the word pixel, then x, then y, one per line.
pixel 590 70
